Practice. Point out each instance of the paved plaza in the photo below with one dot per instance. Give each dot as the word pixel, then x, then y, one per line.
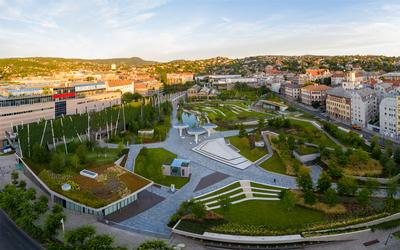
pixel 156 218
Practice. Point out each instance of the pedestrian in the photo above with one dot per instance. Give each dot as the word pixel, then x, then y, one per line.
pixel 274 180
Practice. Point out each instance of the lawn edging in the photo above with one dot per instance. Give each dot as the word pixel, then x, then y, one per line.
pixel 238 181
pixel 281 239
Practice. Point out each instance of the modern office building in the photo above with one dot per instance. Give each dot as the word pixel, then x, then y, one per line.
pixel 58 101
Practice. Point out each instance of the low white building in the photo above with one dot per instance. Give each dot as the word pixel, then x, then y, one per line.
pixel 123 86
pixel 364 106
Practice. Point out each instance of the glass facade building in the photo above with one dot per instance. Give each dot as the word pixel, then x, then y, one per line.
pixel 99 212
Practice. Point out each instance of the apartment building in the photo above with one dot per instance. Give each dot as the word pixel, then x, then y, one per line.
pixel 364 106
pixel 382 89
pixel 314 93
pixel 338 104
pixel 292 91
pixel 179 78
pixel 389 116
pixel 337 78
pixel 392 76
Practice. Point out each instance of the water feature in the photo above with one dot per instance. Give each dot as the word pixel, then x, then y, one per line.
pixel 190 119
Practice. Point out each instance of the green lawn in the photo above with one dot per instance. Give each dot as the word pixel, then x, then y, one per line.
pixel 243 145
pixel 274 164
pixel 305 150
pixel 149 164
pixel 103 156
pixel 227 113
pixel 222 190
pixel 271 214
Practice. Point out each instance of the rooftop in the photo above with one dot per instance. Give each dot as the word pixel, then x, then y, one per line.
pixel 117 83
pixel 177 163
pixel 339 92
pixel 316 87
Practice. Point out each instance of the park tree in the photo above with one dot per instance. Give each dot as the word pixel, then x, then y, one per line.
pixel 374 141
pixel 242 131
pixel 291 142
pixel 86 238
pixel 372 184
pixel 287 199
pixel 396 155
pixel 316 104
pixel 304 180
pixel 198 210
pixel 334 171
pixel 347 186
pixel 121 147
pixel 389 147
pixel 392 188
pixel 309 197
pixel 73 160
pixel 58 162
pixel 22 184
pixel 324 182
pixel 376 152
pixel 14 177
pixel 39 154
pixel 261 124
pixel 252 141
pixel 331 197
pixel 363 196
pixel 390 167
pixel 154 244
pixel 127 97
pixel 81 152
pixel 52 224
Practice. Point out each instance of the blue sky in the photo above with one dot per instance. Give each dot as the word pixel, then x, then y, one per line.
pixel 181 29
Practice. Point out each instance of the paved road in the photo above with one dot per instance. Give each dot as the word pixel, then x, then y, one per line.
pixel 13 238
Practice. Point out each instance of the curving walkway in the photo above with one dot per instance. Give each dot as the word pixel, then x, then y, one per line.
pixel 156 218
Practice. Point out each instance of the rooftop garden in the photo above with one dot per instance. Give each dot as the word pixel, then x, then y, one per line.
pixel 149 164
pixel 56 168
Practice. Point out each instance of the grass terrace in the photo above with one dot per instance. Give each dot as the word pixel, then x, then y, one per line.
pixel 256 217
pixel 274 164
pixel 243 144
pixel 149 164
pixel 226 114
pixel 306 150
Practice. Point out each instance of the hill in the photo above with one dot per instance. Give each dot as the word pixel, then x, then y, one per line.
pixel 47 66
